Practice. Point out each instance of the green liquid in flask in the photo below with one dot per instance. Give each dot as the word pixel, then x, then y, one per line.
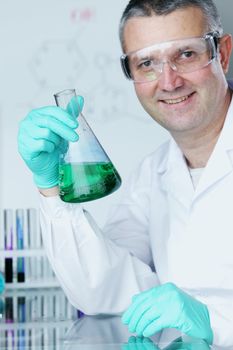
pixel 82 182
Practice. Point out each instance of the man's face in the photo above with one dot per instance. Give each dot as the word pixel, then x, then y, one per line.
pixel 180 102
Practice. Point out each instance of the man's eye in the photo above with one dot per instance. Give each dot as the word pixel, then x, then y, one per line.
pixel 145 64
pixel 187 54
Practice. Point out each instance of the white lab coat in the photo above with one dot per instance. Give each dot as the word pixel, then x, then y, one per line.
pixel 162 231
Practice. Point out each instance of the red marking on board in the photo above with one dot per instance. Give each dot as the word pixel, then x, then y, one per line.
pixel 84 15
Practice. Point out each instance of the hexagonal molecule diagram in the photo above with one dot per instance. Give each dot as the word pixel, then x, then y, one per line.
pixel 58 63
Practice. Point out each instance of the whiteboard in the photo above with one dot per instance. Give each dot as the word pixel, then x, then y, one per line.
pixel 49 46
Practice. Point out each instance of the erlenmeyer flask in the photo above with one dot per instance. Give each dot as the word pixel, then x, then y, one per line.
pixel 85 171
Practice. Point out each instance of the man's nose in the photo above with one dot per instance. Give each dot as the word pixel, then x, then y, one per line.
pixel 169 79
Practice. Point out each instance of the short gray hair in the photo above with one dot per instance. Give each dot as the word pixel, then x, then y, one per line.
pixel 147 8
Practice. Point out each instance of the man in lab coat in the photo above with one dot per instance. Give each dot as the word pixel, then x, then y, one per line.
pixel 165 256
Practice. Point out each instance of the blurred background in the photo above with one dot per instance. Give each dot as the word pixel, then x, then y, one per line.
pixel 52 45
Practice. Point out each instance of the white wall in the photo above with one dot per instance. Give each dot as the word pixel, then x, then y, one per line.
pixel 50 45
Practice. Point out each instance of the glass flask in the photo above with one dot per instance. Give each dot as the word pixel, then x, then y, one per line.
pixel 85 171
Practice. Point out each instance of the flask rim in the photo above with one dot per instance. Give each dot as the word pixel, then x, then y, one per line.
pixel 65 92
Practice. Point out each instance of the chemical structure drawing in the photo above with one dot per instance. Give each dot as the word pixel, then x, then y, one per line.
pixel 57 61
pixel 67 63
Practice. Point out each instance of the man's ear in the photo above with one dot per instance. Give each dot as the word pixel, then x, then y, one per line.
pixel 225 48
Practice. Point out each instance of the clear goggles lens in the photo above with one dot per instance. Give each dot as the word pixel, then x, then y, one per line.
pixel 183 56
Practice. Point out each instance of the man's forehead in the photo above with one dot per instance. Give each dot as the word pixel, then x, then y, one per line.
pixel 142 32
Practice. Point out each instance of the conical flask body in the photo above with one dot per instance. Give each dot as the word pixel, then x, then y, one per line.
pixel 85 171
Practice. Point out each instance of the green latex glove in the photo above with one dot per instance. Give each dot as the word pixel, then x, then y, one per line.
pixel 167 306
pixel 42 135
pixel 2 283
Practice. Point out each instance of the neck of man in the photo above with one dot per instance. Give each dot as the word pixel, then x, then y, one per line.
pixel 197 146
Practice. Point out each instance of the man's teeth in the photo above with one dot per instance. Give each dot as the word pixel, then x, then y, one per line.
pixel 176 100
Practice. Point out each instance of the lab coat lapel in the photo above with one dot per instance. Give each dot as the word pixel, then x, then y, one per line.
pixel 220 163
pixel 218 167
pixel 175 177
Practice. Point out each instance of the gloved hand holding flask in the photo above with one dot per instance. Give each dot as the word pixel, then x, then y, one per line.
pixel 47 143
pixel 40 138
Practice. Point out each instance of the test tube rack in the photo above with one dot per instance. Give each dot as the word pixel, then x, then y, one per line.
pixel 23 260
pixel 35 318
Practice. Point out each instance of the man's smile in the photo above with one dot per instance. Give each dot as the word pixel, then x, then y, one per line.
pixel 171 101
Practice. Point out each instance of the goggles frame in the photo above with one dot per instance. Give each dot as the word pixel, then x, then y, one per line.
pixel 212 37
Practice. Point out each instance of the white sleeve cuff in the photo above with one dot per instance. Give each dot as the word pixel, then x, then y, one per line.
pixel 54 207
pixel 69 218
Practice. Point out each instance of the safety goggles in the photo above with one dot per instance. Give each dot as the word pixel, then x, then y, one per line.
pixel 183 56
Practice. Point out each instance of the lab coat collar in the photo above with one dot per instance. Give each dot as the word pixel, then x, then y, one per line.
pixel 175 177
